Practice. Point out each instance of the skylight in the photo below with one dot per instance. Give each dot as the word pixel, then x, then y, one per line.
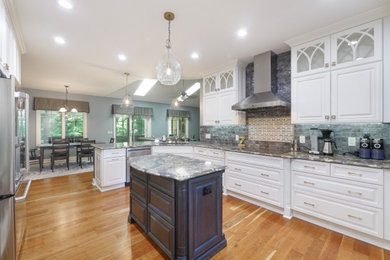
pixel 193 89
pixel 145 87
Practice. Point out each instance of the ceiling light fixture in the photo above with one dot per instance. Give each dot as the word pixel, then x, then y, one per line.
pixel 168 69
pixel 242 33
pixel 65 4
pixel 64 108
pixel 127 100
pixel 195 56
pixel 59 40
pixel 122 57
pixel 145 87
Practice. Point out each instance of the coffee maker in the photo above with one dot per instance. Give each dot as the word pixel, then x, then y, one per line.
pixel 365 147
pixel 378 151
pixel 329 141
pixel 314 141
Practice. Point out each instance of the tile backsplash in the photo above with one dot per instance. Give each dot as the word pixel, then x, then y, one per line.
pixel 223 134
pixel 342 132
pixel 275 129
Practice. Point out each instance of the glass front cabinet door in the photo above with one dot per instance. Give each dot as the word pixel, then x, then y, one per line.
pixel 311 57
pixel 361 44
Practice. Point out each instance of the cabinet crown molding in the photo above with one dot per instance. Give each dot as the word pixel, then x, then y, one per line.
pixel 13 19
pixel 225 66
pixel 344 24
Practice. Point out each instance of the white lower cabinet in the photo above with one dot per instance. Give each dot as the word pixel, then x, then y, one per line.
pixel 349 196
pixel 263 180
pixel 110 169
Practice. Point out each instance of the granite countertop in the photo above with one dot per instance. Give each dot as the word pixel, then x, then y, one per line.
pixel 174 166
pixel 275 152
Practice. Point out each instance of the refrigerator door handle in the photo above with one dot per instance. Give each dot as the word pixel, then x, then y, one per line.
pixel 22 198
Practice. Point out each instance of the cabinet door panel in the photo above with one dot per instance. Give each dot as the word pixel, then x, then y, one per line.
pixel 311 57
pixel 210 110
pixel 138 212
pixel 358 45
pixel 227 116
pixel 114 171
pixel 162 233
pixel 310 99
pixel 357 94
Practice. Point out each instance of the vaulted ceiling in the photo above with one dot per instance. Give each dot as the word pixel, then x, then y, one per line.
pixel 96 31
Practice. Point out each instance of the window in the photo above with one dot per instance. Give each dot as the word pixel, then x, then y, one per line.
pixel 53 124
pixel 121 125
pixel 178 126
pixel 142 126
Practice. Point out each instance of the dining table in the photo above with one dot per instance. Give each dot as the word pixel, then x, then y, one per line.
pixel 46 146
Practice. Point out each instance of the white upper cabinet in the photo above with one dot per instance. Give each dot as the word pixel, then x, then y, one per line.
pixel 310 99
pixel 221 90
pixel 358 45
pixel 312 57
pixel 345 88
pixel 357 94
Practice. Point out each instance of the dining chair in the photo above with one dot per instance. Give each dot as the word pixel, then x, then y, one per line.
pixel 112 140
pixel 60 151
pixel 86 150
pixel 34 158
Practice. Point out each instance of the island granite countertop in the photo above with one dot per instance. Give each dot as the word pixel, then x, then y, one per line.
pixel 174 166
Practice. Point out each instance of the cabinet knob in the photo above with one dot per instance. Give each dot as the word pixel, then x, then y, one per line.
pixel 327 117
pixel 326 65
pixel 334 63
pixel 6 66
pixel 333 117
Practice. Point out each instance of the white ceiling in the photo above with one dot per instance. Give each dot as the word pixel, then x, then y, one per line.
pixel 96 31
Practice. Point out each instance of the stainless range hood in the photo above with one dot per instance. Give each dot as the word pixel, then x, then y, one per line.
pixel 264 78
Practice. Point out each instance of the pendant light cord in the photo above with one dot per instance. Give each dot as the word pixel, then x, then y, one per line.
pixel 169 35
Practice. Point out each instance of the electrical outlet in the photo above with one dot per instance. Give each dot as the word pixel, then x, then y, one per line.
pixel 351 141
pixel 208 136
pixel 302 139
pixel 237 138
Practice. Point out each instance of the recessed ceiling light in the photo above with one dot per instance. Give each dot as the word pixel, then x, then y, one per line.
pixel 122 57
pixel 59 40
pixel 65 4
pixel 242 33
pixel 195 55
pixel 145 87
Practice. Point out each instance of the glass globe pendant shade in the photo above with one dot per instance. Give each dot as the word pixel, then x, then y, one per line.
pixel 127 101
pixel 74 110
pixel 168 69
pixel 62 109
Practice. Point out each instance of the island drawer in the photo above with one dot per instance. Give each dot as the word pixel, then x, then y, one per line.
pixel 138 212
pixel 162 233
pixel 139 189
pixel 114 153
pixel 162 204
pixel 164 185
pixel 361 174
pixel 136 173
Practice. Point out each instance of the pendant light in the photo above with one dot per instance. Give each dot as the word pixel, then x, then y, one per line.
pixel 64 108
pixel 127 100
pixel 168 69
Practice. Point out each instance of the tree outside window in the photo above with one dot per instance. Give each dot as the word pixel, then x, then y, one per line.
pixel 122 128
pixel 51 125
pixel 178 126
pixel 139 127
pixel 74 123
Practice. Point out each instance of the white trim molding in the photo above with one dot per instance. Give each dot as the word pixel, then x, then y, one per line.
pixel 13 19
pixel 342 25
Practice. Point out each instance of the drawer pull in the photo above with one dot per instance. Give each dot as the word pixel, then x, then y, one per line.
pixel 265 175
pixel 352 216
pixel 216 153
pixel 309 167
pixel 309 204
pixel 266 193
pixel 237 169
pixel 355 192
pixel 356 174
pixel 238 185
pixel 308 182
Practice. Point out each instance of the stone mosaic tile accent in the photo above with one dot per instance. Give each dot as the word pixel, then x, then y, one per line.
pixel 275 129
pixel 342 132
pixel 223 134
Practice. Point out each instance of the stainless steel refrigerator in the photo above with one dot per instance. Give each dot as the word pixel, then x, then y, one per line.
pixel 7 169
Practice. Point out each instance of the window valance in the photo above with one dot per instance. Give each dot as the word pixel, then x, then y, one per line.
pixel 53 104
pixel 178 113
pixel 136 111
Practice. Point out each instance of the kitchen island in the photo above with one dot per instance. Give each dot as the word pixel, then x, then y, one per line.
pixel 177 201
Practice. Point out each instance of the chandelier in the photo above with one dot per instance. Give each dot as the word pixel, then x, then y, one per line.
pixel 168 69
pixel 65 107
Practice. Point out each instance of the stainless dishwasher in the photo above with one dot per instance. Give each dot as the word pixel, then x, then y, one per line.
pixel 133 152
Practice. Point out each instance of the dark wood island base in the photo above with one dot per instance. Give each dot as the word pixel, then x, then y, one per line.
pixel 184 217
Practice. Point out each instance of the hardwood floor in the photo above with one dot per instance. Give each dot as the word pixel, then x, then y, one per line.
pixel 68 218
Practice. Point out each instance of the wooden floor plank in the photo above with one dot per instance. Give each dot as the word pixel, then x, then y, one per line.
pixel 68 218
